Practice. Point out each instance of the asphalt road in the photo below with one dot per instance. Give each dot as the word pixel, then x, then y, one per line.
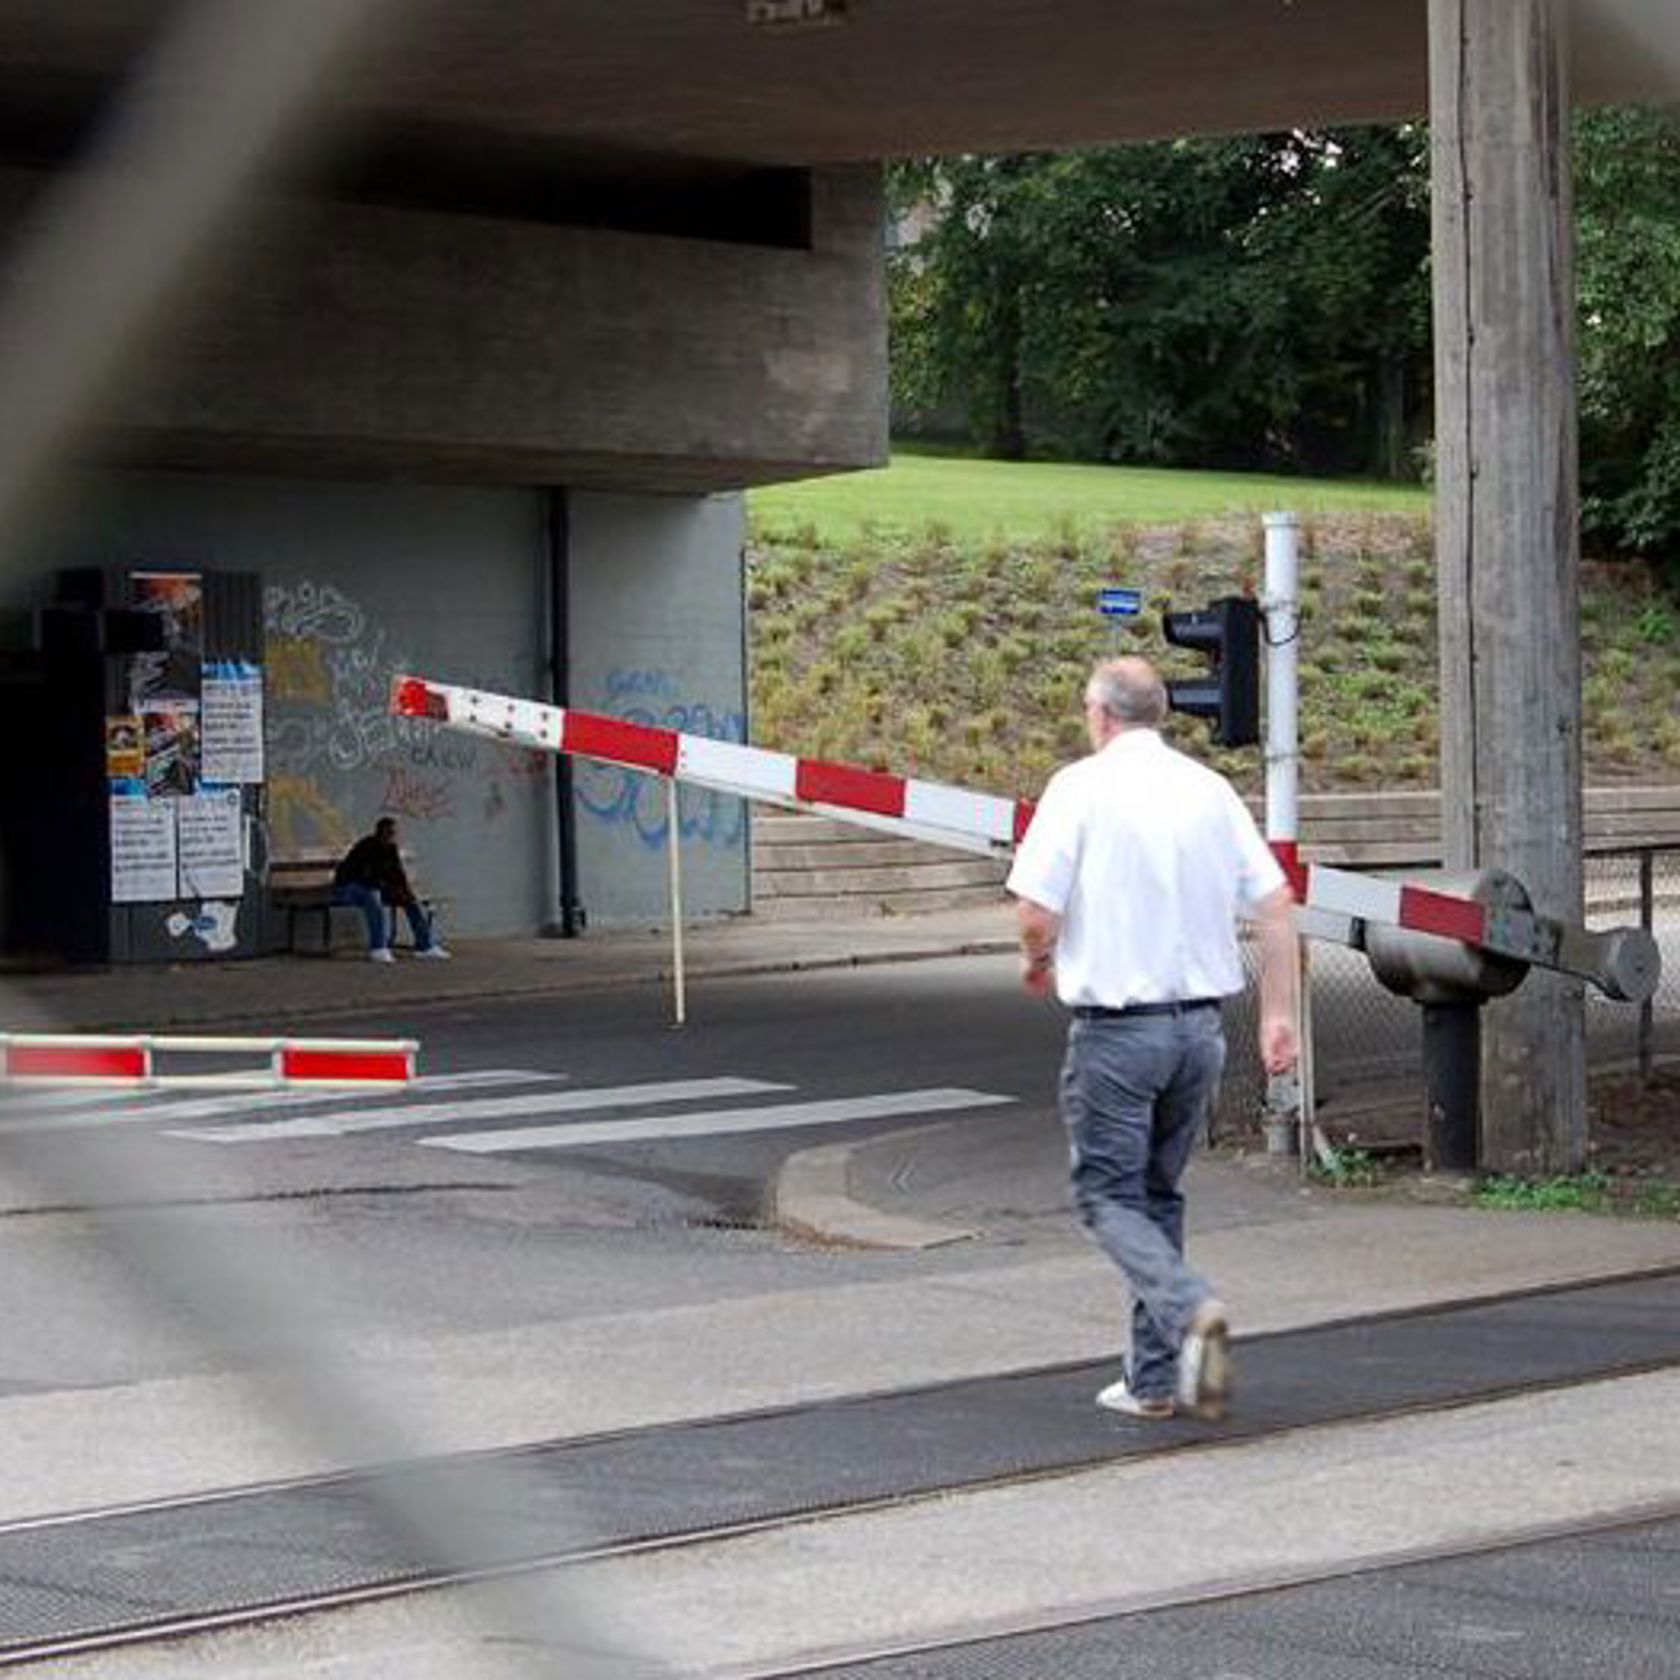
pixel 392 1218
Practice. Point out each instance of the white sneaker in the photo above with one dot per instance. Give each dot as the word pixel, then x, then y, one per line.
pixel 434 953
pixel 381 953
pixel 1204 1363
pixel 1117 1397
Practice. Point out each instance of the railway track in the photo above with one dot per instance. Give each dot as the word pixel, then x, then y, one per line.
pixel 139 1574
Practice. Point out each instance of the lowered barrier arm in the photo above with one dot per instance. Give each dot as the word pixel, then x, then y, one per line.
pixel 1450 942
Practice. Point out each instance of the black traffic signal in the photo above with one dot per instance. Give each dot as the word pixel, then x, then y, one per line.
pixel 1227 631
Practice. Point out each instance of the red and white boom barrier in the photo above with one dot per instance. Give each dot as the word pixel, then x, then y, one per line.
pixel 150 1061
pixel 933 811
pixel 1335 904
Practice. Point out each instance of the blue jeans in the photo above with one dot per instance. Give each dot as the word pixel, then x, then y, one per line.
pixel 1135 1092
pixel 378 916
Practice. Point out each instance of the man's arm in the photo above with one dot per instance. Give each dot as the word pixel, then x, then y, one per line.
pixel 1279 980
pixel 1037 929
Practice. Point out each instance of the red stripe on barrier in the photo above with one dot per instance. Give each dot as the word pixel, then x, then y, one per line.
pixel 1452 918
pixel 1288 854
pixel 410 697
pixel 638 744
pixel 387 1065
pixel 840 784
pixel 56 1061
pixel 1024 809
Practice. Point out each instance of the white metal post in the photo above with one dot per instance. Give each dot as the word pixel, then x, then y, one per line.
pixel 673 842
pixel 1289 1101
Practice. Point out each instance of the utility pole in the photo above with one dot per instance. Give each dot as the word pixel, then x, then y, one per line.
pixel 1507 537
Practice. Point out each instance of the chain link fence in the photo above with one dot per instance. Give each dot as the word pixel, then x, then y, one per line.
pixel 1367 1043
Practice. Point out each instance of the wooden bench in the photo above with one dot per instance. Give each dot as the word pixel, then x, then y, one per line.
pixel 300 889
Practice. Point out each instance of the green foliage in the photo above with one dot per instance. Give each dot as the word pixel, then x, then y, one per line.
pixel 960 658
pixel 1239 302
pixel 1586 1193
pixel 1627 171
pixel 1345 1169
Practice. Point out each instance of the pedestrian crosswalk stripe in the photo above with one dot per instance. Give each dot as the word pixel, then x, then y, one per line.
pixel 52 1110
pixel 717 1121
pixel 393 1115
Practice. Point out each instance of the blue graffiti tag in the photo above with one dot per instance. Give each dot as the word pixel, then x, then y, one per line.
pixel 632 799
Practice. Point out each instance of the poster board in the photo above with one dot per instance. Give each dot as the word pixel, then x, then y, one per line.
pixel 210 853
pixel 143 853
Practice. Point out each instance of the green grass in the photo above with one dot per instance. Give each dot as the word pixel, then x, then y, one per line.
pixel 1586 1193
pixel 960 657
pixel 1019 501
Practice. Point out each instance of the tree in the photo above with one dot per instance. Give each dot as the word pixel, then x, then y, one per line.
pixel 1250 302
pixel 1627 174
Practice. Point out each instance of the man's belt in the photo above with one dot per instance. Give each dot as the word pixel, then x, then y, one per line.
pixel 1100 1012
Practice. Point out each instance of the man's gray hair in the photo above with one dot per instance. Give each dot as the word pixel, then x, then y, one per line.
pixel 1129 690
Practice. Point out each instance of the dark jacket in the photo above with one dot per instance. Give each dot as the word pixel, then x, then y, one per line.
pixel 373 862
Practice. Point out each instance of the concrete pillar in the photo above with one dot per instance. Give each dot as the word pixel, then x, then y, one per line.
pixel 1507 528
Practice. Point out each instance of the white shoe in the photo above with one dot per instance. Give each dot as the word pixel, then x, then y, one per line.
pixel 434 953
pixel 381 953
pixel 1153 1408
pixel 1204 1363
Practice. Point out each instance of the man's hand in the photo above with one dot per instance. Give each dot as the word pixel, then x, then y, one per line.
pixel 1280 1047
pixel 1036 928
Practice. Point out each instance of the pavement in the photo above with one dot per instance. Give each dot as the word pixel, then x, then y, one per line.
pixel 980 1271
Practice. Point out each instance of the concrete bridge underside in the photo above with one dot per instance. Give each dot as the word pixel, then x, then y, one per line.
pixel 636 247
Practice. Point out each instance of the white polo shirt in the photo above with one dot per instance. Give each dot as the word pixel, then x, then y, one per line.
pixel 1145 855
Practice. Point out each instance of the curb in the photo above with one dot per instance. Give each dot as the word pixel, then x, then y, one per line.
pixel 810 1197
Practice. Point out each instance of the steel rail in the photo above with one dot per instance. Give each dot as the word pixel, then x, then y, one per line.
pixel 433 1574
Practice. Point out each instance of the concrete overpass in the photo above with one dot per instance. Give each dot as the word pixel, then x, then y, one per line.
pixel 463 388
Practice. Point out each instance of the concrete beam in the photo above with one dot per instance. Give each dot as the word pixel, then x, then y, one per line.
pixel 347 339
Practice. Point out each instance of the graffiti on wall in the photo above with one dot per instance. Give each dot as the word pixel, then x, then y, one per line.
pixel 334 744
pixel 638 803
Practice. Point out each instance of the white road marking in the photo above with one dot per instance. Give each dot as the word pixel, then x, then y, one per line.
pixel 484 1108
pixel 24 1111
pixel 717 1121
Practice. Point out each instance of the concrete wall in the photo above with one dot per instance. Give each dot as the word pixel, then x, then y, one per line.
pixel 361 581
pixel 658 637
pixel 348 338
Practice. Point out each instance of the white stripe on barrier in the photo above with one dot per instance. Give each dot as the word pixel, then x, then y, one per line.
pixel 981 815
pixel 1346 894
pixel 751 772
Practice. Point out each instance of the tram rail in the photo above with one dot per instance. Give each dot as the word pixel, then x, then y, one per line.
pixel 161 1570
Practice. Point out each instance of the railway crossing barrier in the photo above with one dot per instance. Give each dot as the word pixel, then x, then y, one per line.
pixel 149 1061
pixel 1448 941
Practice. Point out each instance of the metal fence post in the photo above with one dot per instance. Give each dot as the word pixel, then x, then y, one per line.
pixel 1647 919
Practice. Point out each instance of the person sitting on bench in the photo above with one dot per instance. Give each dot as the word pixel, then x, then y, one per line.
pixel 372 878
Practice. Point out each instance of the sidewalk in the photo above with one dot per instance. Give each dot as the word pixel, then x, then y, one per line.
pixel 278 994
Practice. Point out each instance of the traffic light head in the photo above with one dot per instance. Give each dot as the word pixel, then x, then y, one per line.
pixel 1227 632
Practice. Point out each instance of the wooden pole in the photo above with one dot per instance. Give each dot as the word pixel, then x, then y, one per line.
pixel 1507 539
pixel 673 847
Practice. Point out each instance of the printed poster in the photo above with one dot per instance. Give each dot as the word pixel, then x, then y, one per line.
pixel 175 673
pixel 125 748
pixel 231 722
pixel 142 851
pixel 209 845
pixel 171 745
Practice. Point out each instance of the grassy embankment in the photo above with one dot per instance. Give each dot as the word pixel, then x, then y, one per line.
pixel 937 617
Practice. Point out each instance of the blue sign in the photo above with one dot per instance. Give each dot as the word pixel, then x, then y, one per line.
pixel 1120 603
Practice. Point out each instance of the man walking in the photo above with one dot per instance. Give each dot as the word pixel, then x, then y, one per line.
pixel 371 877
pixel 1127 885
